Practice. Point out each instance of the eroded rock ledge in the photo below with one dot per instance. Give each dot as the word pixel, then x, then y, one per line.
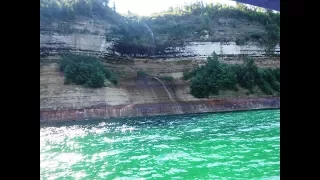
pixel 152 109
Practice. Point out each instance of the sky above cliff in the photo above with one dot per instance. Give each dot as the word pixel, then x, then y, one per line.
pixel 147 7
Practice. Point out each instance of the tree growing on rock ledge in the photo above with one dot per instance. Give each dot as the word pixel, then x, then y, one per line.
pixel 85 70
pixel 215 77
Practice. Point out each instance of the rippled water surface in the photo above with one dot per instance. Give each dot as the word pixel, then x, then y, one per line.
pixel 237 145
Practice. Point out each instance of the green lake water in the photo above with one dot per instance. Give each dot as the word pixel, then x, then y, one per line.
pixel 236 145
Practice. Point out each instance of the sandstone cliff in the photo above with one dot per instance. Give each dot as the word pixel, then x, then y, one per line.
pixel 92 36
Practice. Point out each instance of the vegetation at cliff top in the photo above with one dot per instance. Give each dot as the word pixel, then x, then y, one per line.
pixel 69 9
pixel 85 70
pixel 163 32
pixel 199 17
pixel 178 26
pixel 215 76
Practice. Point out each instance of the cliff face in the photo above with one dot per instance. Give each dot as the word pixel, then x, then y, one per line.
pixel 55 95
pixel 83 35
pixel 60 102
pixel 152 109
pixel 89 36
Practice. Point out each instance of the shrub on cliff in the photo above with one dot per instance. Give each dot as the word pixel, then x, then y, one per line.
pixel 189 75
pixel 166 78
pixel 249 76
pixel 246 74
pixel 212 78
pixel 96 80
pixel 276 73
pixel 215 76
pixel 202 88
pixel 261 81
pixel 141 74
pixel 85 70
pixel 270 77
